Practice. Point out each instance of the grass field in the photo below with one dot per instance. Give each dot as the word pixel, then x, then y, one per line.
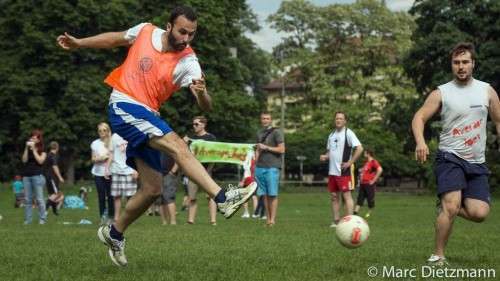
pixel 301 246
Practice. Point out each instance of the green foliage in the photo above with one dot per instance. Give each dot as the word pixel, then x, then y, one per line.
pixel 441 25
pixel 308 143
pixel 63 92
pixel 349 57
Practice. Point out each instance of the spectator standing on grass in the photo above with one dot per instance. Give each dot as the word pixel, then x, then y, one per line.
pixel 101 157
pixel 371 172
pixel 33 180
pixel 200 133
pixel 171 180
pixel 341 143
pixel 247 179
pixel 54 178
pixel 269 150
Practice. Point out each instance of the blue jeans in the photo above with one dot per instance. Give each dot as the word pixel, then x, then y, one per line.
pixel 34 185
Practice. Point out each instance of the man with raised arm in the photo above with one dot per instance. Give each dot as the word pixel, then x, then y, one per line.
pixel 159 62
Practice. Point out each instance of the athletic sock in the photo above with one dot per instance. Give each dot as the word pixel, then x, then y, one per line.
pixel 220 197
pixel 115 234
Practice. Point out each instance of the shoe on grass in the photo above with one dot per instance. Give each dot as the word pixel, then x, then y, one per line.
pixel 116 248
pixel 437 260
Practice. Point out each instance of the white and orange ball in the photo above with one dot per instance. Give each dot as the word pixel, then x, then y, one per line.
pixel 352 231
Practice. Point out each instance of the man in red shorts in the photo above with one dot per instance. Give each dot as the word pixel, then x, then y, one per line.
pixel 341 144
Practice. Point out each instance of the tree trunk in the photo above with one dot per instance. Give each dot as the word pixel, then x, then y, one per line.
pixel 70 170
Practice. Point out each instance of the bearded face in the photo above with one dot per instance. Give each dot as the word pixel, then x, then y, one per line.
pixel 180 33
pixel 177 45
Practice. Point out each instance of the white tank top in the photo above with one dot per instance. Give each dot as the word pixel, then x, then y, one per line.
pixel 464 112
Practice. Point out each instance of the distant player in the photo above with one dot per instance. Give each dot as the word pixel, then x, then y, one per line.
pixel 460 168
pixel 343 150
pixel 370 174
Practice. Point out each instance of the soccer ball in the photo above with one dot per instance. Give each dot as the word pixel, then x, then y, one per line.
pixel 352 231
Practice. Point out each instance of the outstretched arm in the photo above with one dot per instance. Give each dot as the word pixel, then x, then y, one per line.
pixel 430 107
pixel 101 41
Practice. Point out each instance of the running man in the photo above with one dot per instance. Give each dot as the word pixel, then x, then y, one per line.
pixel 159 62
pixel 461 172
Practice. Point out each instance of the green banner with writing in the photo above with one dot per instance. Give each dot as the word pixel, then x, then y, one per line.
pixel 222 152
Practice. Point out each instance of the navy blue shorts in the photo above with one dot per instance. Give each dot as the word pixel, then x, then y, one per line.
pixel 136 124
pixel 453 173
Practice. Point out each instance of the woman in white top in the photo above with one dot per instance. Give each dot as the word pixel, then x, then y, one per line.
pixel 101 156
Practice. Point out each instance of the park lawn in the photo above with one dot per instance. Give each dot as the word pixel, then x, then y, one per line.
pixel 301 246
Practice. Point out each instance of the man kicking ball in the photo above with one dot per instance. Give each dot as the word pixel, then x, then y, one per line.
pixel 159 62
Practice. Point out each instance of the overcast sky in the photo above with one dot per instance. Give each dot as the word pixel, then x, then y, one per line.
pixel 266 38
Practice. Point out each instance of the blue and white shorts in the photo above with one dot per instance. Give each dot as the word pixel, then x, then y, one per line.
pixel 136 124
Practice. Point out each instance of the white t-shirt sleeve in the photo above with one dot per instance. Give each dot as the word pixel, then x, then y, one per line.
pixel 117 140
pixel 133 32
pixel 351 137
pixel 187 69
pixel 94 147
pixel 328 141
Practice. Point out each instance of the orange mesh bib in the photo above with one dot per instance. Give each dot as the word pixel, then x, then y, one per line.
pixel 147 74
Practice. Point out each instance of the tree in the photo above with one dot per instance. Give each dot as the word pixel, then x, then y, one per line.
pixel 349 59
pixel 63 92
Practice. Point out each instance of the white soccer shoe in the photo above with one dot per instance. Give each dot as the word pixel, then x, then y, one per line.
pixel 116 248
pixel 437 260
pixel 235 197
